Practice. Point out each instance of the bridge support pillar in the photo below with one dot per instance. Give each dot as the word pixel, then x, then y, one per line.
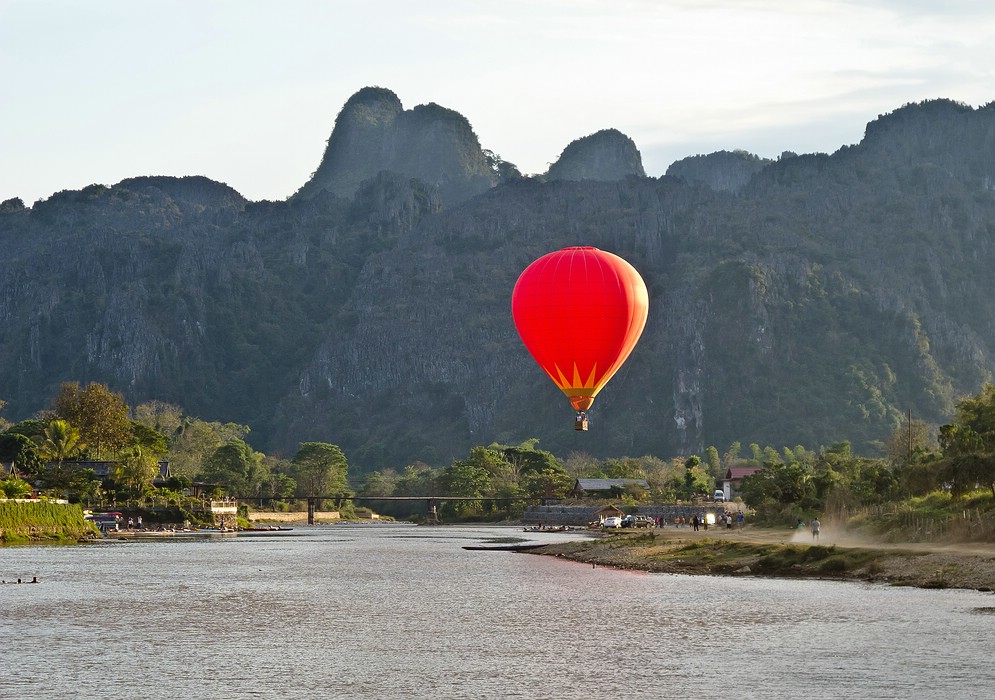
pixel 433 513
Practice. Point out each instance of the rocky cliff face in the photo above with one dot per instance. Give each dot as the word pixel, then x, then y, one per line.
pixel 726 171
pixel 374 133
pixel 819 301
pixel 606 155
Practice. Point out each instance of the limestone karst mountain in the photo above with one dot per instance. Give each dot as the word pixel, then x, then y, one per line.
pixel 606 155
pixel 374 133
pixel 724 170
pixel 801 301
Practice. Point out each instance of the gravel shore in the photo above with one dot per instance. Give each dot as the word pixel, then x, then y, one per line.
pixel 786 553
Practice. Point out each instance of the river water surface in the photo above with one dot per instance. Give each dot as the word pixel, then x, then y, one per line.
pixel 397 611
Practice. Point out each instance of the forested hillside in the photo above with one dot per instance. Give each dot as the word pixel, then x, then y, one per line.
pixel 805 300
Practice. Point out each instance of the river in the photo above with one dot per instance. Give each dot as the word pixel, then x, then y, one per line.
pixel 399 611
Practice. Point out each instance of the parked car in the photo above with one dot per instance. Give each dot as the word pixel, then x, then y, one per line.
pixel 638 521
pixel 613 521
pixel 720 496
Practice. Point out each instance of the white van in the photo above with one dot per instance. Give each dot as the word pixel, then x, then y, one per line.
pixel 719 496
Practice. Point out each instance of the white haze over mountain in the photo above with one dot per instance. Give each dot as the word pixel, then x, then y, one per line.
pixel 246 92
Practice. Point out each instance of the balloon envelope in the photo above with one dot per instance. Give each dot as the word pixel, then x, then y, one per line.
pixel 579 312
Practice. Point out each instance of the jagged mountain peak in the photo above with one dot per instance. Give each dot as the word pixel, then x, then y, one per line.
pixel 194 189
pixel 371 95
pixel 917 114
pixel 831 294
pixel 371 107
pixel 947 129
pixel 725 171
pixel 374 132
pixel 606 155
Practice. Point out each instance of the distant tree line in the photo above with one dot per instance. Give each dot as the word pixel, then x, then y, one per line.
pixel 49 454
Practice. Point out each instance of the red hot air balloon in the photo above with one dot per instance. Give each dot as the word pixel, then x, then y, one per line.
pixel 580 311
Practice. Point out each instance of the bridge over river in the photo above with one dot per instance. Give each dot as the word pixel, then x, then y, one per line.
pixel 431 502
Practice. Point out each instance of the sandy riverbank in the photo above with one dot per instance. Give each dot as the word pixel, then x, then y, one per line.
pixel 787 553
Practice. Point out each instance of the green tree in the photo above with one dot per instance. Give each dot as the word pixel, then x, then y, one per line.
pixel 276 481
pixel 538 473
pixel 196 440
pixel 463 478
pixel 500 471
pixel 100 415
pixel 235 467
pixel 873 481
pixel 418 479
pixel 526 458
pixel 21 451
pixel 581 465
pixel 160 416
pixel 136 469
pixel 14 488
pixel 696 481
pixel 976 415
pixel 658 473
pixel 732 454
pixel 756 454
pixel 31 428
pixel 798 454
pixel 320 469
pixel 60 441
pixel 965 472
pixel 908 440
pixel 277 485
pixel 149 439
pixel 777 485
pixel 380 483
pixel 83 485
pixel 547 482
pixel 715 468
pixel 968 444
pixel 624 468
pixel 919 477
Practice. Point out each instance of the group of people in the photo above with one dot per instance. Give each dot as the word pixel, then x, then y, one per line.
pixel 814 524
pixel 728 518
pixel 700 521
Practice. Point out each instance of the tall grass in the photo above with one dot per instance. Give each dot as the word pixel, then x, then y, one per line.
pixel 937 516
pixel 42 520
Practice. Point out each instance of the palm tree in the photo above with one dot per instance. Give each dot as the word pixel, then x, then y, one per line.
pixel 60 441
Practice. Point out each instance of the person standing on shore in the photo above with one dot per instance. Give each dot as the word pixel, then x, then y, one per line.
pixel 816 525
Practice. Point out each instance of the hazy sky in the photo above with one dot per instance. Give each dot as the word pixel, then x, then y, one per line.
pixel 246 92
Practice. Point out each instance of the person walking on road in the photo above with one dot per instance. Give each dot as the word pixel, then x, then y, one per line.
pixel 816 525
